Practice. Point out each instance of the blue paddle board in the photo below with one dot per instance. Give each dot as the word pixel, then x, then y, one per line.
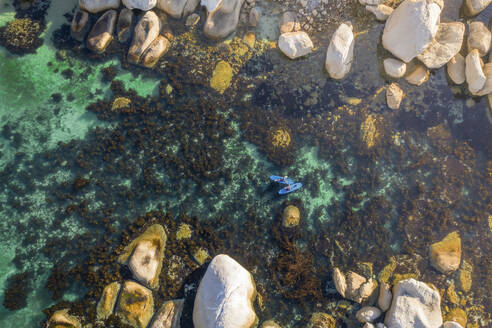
pixel 293 187
pixel 276 178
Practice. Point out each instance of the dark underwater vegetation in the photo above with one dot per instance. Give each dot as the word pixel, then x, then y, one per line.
pixel 94 150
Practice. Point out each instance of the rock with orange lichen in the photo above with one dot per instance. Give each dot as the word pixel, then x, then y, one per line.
pixel 107 302
pixel 144 255
pixel 369 131
pixel 135 305
pixel 61 319
pixel 221 77
pixel 446 255
pixel 465 276
pixel 291 216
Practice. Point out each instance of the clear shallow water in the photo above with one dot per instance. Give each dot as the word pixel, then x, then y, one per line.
pixel 32 163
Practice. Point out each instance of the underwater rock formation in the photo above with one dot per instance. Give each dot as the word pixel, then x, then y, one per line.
pixel 321 320
pixel 135 305
pixel 445 255
pixel 225 296
pixel 106 304
pixel 21 36
pixel 414 302
pixel 291 216
pixel 80 25
pixel 145 255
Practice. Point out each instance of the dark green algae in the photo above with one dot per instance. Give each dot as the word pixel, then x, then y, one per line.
pixel 292 268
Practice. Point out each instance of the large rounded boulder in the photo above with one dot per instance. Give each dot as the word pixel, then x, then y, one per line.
pixel 225 296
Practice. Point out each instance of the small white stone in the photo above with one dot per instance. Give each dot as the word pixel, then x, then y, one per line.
pixel 381 12
pixel 368 314
pixel 487 87
pixel 394 67
pixel 479 38
pixel 295 44
pixel 418 76
pixel 456 69
pixel 476 6
pixel 451 324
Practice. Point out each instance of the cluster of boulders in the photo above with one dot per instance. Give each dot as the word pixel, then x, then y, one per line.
pixel 295 43
pixel 410 303
pixel 144 23
pixel 414 34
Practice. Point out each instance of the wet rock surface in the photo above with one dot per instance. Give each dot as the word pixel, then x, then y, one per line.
pixel 101 33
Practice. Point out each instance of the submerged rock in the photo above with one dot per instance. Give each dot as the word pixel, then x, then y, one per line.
pixel 61 319
pixel 80 25
pixel 135 305
pixel 140 4
pixel 177 8
pixel 476 6
pixel 340 282
pixel 446 44
pixel 321 320
pixel 254 17
pixel 340 53
pixel 221 77
pixel 368 314
pixel 358 288
pixel 479 37
pixel 381 12
pixel 394 67
pixel 384 298
pixel 295 44
pixel 106 304
pixel 418 76
pixel 146 31
pixel 456 69
pixel 225 296
pixel 95 6
pixel 169 315
pixel 475 76
pixel 289 22
pixel 446 255
pixel 101 33
pixel 223 20
pixel 414 304
pixel 291 216
pixel 410 28
pixel 21 35
pixel 145 254
pixel 155 51
pixel 394 96
pixel 124 25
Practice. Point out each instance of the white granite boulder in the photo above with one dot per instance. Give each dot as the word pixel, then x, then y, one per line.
pixel 101 33
pixel 479 37
pixel 475 76
pixel 456 69
pixel 140 4
pixel 177 8
pixel 340 52
pixel 394 67
pixel 96 6
pixel 223 19
pixel 225 296
pixel 410 28
pixel 146 31
pixel 415 305
pixel 446 44
pixel 295 44
pixel 476 6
